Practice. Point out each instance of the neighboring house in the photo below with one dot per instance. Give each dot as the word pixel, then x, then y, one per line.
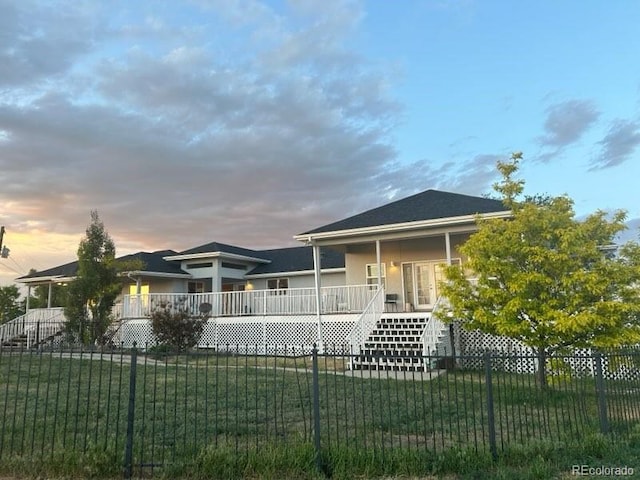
pixel 335 288
pixel 214 267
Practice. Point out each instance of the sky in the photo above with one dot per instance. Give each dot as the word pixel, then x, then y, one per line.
pixel 248 121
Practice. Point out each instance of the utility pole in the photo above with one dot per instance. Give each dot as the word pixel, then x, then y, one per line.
pixel 4 251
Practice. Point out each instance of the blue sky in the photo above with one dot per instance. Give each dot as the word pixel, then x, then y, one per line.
pixel 247 121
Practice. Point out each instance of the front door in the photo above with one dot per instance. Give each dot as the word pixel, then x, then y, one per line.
pixel 421 283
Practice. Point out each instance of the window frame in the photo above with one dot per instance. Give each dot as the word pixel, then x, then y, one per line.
pixel 371 274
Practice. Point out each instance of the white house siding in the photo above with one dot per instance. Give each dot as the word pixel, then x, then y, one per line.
pixel 334 279
pixel 160 285
pixel 414 250
pixel 168 286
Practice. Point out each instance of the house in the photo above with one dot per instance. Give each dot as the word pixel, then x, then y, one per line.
pixel 352 277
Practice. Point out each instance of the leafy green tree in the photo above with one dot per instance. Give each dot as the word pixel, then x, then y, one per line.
pixel 10 306
pixel 92 294
pixel 547 279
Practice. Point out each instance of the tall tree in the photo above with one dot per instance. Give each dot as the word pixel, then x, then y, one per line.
pixel 547 279
pixel 10 306
pixel 92 294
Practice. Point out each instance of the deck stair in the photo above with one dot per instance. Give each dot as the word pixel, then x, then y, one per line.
pixel 396 343
pixel 34 328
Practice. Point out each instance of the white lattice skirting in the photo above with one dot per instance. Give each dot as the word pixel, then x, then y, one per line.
pixel 256 334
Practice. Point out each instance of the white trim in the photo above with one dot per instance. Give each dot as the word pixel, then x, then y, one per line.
pixel 447 246
pixel 298 273
pixel 159 274
pixel 378 261
pixel 232 256
pixel 60 279
pixel 49 279
pixel 317 268
pixel 395 227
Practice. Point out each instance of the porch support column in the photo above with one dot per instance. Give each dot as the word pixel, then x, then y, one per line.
pixel 447 245
pixel 318 281
pixel 49 295
pixel 379 264
pixel 138 285
pixel 216 278
pixel 28 297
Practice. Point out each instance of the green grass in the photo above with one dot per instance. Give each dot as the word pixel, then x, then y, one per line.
pixel 223 416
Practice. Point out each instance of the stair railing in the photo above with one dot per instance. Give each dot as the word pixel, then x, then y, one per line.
pixel 24 324
pixel 45 328
pixel 366 322
pixel 434 328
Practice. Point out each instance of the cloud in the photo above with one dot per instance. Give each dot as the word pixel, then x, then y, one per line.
pixel 156 123
pixel 565 124
pixel 472 177
pixel 618 145
pixel 41 41
pixel 632 233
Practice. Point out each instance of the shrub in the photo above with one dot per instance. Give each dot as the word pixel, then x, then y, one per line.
pixel 174 327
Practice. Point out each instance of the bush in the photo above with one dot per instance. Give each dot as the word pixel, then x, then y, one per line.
pixel 174 327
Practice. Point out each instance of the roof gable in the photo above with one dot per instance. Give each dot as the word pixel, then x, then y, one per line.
pixel 427 205
pixel 214 247
pixel 154 262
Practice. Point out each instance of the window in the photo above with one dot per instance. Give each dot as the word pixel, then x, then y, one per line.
pixel 199 265
pixel 144 290
pixel 372 273
pixel 278 284
pixel 196 287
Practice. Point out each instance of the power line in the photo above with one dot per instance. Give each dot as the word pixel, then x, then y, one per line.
pixel 18 265
pixel 11 268
pixel 24 272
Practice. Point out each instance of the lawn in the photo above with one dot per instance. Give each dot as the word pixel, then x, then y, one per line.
pixel 228 416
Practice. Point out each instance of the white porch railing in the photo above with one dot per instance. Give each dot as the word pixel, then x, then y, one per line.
pixel 36 324
pixel 289 301
pixel 367 322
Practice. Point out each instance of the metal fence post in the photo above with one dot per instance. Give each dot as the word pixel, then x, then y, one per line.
pixel 128 449
pixel 316 407
pixel 602 398
pixel 490 407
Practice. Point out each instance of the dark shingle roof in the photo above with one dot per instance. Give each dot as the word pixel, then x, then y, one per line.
pixel 296 259
pixel 428 205
pixel 66 270
pixel 152 262
pixel 220 247
pixel 155 262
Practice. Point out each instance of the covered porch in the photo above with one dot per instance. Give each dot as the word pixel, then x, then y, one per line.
pixel 409 267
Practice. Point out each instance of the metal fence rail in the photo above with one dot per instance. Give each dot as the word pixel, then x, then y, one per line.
pixel 145 413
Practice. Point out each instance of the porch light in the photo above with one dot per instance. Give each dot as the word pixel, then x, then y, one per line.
pixel 393 264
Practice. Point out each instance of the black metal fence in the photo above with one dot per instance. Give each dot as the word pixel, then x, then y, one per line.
pixel 139 413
